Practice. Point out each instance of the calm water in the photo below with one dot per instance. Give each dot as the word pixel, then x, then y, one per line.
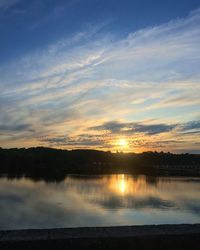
pixel 98 201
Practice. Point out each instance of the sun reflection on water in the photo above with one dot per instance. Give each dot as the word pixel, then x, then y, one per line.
pixel 119 184
pixel 124 185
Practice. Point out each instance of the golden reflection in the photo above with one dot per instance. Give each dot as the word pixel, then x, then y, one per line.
pixel 122 184
pixel 126 185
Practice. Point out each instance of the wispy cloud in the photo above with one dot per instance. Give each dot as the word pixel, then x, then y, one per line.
pixel 85 82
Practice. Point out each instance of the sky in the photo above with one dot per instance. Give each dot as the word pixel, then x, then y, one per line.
pixel 100 74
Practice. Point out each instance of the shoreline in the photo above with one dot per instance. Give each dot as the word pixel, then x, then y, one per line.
pixel 178 236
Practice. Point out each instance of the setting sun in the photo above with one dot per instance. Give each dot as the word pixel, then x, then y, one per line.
pixel 123 142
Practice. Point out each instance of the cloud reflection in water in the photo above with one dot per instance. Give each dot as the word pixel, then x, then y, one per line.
pixel 98 201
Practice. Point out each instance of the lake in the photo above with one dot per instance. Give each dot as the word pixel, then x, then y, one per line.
pixel 107 200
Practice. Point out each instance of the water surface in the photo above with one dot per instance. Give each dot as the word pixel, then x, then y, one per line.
pixel 107 200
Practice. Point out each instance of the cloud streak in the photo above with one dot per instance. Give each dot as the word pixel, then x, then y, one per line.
pixel 145 83
pixel 128 128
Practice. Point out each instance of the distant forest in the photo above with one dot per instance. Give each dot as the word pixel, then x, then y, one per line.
pixel 55 164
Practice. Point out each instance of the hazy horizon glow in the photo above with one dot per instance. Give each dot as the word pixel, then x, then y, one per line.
pixel 101 79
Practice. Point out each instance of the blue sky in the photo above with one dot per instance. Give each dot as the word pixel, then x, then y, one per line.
pixel 94 73
pixel 28 25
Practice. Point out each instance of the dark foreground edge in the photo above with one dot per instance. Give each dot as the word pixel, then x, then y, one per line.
pixel 177 237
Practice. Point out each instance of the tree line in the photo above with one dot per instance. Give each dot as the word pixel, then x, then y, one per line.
pixel 52 163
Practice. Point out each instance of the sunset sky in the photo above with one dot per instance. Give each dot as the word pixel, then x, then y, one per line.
pixel 101 74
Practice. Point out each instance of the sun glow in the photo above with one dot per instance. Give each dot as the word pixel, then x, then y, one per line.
pixel 122 143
